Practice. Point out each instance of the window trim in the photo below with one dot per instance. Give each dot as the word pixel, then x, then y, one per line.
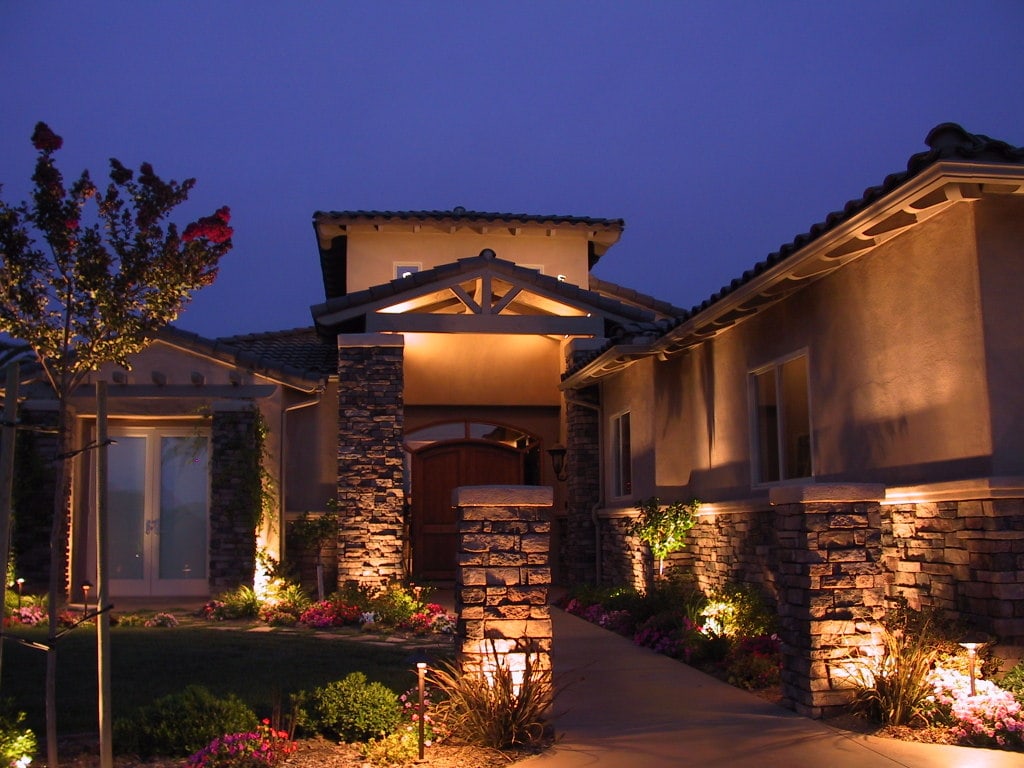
pixel 755 425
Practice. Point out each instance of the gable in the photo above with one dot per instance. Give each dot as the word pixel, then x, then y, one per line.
pixel 482 294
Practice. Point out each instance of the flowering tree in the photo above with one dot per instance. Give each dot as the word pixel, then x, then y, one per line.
pixel 87 276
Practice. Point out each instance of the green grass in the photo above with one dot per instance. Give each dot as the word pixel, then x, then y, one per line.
pixel 260 667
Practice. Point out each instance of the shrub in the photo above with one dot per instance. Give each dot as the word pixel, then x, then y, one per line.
pixel 1013 681
pixel 753 663
pixel 263 747
pixel 990 718
pixel 738 610
pixel 498 710
pixel 396 604
pixel 352 709
pixel 181 724
pixel 17 743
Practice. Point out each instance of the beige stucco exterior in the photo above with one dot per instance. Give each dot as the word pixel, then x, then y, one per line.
pixel 915 369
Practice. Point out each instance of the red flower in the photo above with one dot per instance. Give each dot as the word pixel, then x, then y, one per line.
pixel 213 228
pixel 44 139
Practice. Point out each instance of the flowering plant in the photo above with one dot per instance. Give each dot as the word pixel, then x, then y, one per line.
pixel 432 618
pixel 29 615
pixel 991 717
pixel 327 613
pixel 162 620
pixel 256 749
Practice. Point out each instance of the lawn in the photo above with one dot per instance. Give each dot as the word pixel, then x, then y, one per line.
pixel 261 667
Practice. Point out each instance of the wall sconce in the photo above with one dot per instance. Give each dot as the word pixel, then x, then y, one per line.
pixel 557 453
pixel 972 642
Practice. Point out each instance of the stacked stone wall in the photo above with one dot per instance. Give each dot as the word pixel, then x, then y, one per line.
pixel 583 487
pixel 964 558
pixel 235 497
pixel 503 578
pixel 371 460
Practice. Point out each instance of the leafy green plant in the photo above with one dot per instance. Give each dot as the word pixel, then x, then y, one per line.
pixel 352 709
pixel 17 743
pixel 242 602
pixel 500 709
pixel 664 527
pixel 396 603
pixel 181 724
pixel 738 610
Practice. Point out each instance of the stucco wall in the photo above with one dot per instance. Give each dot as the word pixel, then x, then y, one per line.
pixel 481 369
pixel 1001 249
pixel 372 255
pixel 897 368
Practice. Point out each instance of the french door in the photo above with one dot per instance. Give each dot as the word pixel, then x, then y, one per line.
pixel 158 512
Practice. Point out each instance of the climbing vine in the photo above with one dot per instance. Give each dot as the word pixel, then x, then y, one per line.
pixel 664 527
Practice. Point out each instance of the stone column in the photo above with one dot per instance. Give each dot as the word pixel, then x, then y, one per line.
pixel 831 584
pixel 503 576
pixel 234 494
pixel 371 458
pixel 583 486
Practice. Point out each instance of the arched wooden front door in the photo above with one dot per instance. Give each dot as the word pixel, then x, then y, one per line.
pixel 436 471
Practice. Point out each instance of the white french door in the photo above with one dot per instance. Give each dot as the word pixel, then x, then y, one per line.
pixel 158 508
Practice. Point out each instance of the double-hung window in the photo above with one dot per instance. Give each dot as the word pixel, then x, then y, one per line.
pixel 622 460
pixel 782 421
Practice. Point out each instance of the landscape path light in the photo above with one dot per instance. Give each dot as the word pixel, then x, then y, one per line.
pixel 420 659
pixel 972 642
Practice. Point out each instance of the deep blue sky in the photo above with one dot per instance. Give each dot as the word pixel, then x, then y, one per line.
pixel 718 130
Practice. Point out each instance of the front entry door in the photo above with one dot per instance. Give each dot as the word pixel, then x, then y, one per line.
pixel 436 471
pixel 158 511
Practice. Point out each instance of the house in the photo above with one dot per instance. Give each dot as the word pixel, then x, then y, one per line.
pixel 855 396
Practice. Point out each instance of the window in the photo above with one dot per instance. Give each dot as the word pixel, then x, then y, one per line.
pixel 405 270
pixel 622 460
pixel 782 421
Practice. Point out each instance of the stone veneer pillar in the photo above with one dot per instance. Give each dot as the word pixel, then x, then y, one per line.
pixel 503 575
pixel 371 459
pixel 583 486
pixel 234 494
pixel 831 585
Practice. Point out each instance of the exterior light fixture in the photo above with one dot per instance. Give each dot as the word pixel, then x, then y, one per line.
pixel 972 642
pixel 86 586
pixel 21 585
pixel 557 453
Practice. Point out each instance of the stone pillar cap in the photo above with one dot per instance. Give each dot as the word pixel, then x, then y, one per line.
pixel 503 496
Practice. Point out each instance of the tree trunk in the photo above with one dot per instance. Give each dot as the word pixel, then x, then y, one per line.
pixel 55 594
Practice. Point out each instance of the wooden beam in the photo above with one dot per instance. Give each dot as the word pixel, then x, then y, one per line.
pixel 544 325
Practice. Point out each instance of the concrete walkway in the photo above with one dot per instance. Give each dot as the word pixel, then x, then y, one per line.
pixel 622 706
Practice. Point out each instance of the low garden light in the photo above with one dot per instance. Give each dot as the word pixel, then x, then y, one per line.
pixel 421 672
pixel 972 642
pixel 86 587
pixel 21 585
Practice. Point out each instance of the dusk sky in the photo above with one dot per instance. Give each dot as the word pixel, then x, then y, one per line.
pixel 718 130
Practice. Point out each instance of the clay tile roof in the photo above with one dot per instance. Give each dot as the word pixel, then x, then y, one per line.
pixel 461 214
pixel 947 142
pixel 294 356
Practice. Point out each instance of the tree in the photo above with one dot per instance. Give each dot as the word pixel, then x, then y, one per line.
pixel 664 528
pixel 87 276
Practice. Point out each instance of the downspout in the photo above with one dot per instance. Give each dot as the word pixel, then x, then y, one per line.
pixel 600 485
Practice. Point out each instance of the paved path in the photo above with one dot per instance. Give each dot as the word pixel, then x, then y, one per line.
pixel 622 706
